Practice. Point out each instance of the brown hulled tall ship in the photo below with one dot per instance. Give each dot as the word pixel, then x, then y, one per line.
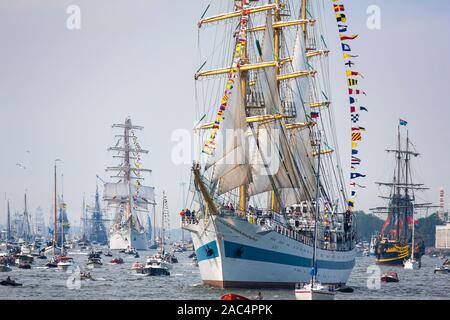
pixel 394 243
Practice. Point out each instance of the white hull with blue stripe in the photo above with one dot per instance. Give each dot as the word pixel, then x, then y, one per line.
pixel 234 253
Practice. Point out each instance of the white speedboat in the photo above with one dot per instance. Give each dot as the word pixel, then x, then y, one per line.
pixel 94 263
pixel 64 263
pixel 159 259
pixel 314 291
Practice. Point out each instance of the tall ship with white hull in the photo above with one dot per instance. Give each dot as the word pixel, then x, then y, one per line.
pixel 270 153
pixel 128 197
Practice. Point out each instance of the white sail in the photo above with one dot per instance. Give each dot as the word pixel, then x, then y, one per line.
pixel 270 155
pixel 118 193
pixel 303 153
pixel 228 164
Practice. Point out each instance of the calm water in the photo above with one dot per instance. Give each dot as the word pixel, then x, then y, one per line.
pixel 117 282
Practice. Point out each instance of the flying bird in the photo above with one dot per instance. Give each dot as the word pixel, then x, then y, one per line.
pixel 20 166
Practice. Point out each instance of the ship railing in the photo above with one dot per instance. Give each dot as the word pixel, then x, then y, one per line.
pixel 308 240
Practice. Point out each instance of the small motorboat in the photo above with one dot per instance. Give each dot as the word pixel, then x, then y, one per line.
pixel 108 254
pixel 117 260
pixel 85 276
pixel 4 268
pixel 24 265
pixel 233 296
pixel 156 271
pixel 172 259
pixel 10 282
pixel 389 277
pixel 441 270
pixel 155 267
pixel 345 289
pixel 94 263
pixel 313 291
pixel 93 255
pixel 138 268
pixel 192 255
pixel 51 264
pixel 23 258
pixel 64 263
pixel 161 260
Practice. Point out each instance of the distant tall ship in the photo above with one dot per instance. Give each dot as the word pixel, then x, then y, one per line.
pixel 94 229
pixel 128 196
pixel 268 182
pixel 394 243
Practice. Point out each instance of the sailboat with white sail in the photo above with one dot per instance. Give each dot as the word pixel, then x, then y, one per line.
pixel 254 180
pixel 412 263
pixel 314 290
pixel 128 196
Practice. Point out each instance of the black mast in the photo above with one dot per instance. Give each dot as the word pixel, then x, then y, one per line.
pixel 406 214
pixel 398 196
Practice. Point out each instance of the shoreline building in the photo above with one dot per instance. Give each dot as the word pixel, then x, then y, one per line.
pixel 443 236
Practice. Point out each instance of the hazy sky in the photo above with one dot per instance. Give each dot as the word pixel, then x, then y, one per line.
pixel 60 91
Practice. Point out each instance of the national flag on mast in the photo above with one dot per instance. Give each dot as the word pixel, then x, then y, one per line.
pixel 314 115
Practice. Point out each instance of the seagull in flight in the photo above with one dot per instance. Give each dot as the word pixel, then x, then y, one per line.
pixel 21 166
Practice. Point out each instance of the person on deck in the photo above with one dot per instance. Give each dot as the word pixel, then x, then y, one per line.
pixel 193 216
pixel 188 215
pixel 182 215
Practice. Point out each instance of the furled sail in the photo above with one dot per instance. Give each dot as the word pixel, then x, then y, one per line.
pixel 119 192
